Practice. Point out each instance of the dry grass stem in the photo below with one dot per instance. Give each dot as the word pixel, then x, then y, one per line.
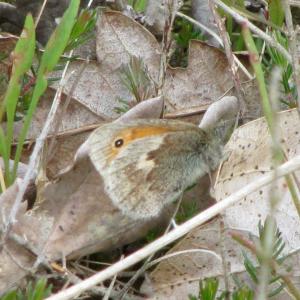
pixel 292 36
pixel 241 20
pixel 37 20
pixel 201 26
pixel 60 114
pixel 229 55
pixel 268 244
pixel 171 8
pixel 184 252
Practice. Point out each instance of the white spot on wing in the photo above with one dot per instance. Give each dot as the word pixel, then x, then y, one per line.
pixel 145 163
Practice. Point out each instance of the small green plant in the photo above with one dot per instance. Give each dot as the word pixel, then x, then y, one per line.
pixel 208 289
pixel 83 28
pixel 275 58
pixel 152 235
pixel 183 32
pixel 252 268
pixel 135 78
pixel 186 211
pixel 37 292
pixel 138 5
pixel 244 293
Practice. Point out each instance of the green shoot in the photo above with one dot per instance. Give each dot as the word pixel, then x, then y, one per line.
pixel 135 78
pixel 138 5
pixel 37 292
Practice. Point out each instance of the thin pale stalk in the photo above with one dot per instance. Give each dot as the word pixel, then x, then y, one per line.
pixel 245 22
pixel 292 35
pixel 171 7
pixel 254 60
pixel 227 47
pixel 217 38
pixel 37 20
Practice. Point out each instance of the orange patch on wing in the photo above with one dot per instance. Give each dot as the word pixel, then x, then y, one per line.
pixel 131 134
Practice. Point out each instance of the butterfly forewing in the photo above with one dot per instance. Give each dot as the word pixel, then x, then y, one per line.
pixel 147 164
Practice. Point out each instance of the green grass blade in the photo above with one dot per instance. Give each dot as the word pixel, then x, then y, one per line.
pixel 22 60
pixel 3 152
pixel 54 49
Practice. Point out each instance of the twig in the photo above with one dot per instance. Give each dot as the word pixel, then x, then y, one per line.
pixel 64 109
pixel 225 263
pixel 40 13
pixel 234 70
pixel 184 252
pixel 171 7
pixel 256 30
pixel 110 288
pixel 202 26
pixel 292 36
pixel 288 167
pixel 295 3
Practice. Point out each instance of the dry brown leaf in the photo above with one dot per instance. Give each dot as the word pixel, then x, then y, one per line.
pixel 250 156
pixel 178 276
pixel 252 101
pixel 63 153
pixel 13 256
pixel 58 225
pixel 76 117
pixel 200 255
pixel 118 38
pixel 204 81
pixel 104 229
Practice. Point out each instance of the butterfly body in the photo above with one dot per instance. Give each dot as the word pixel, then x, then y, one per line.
pixel 146 164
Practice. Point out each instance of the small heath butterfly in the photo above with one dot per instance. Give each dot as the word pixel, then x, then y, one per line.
pixel 146 164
